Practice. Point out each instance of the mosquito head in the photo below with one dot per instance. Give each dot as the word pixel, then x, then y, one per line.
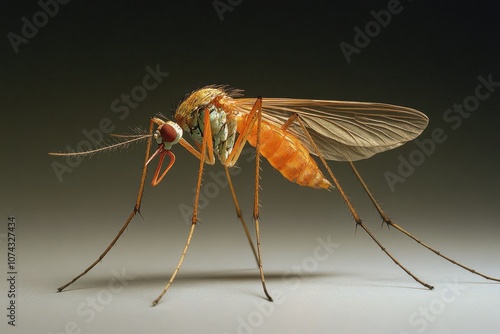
pixel 168 134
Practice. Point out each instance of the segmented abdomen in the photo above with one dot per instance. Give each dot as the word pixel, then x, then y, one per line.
pixel 286 154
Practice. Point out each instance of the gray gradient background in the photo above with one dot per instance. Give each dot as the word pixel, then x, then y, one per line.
pixel 64 80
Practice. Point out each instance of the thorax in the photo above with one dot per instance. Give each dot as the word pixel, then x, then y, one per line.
pixel 223 121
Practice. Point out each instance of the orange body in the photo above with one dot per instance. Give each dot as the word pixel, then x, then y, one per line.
pixel 286 154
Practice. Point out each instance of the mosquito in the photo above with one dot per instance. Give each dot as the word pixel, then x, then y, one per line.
pixel 287 132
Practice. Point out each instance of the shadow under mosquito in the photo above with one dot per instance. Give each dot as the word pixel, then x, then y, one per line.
pixel 202 278
pixel 274 279
pixel 392 285
pixel 402 284
pixel 480 283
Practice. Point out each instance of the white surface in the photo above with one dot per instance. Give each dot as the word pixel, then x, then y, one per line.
pixel 353 290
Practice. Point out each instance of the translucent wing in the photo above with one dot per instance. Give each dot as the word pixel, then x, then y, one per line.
pixel 343 130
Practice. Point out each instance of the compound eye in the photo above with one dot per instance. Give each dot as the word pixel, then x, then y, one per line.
pixel 168 133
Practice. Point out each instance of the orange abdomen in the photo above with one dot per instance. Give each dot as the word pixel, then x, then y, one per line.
pixel 286 154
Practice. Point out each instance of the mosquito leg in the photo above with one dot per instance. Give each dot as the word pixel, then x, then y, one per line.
pixel 252 118
pixel 258 107
pixel 247 127
pixel 191 231
pixel 240 216
pixel 353 211
pixel 205 146
pixel 136 210
pixel 389 222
